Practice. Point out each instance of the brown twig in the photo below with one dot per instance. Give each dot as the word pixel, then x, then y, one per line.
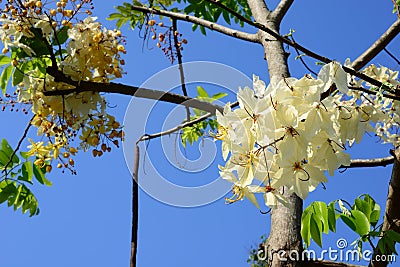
pixel 180 65
pixel 19 144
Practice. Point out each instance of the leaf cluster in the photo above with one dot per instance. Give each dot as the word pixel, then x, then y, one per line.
pixel 16 173
pixel 192 134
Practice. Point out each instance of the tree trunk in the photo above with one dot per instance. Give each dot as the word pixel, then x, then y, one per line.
pixel 285 238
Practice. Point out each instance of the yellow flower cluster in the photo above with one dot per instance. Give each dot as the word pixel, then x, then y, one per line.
pixel 83 51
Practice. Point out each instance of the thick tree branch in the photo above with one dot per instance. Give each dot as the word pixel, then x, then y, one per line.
pixel 360 163
pixel 378 46
pixel 85 86
pixel 392 212
pixel 281 9
pixel 202 22
pixel 325 263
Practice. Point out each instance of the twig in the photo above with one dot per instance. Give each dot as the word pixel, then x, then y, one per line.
pixel 181 126
pixel 365 90
pixel 392 56
pixel 294 44
pixel 19 144
pixel 180 66
pixel 205 23
pixel 302 60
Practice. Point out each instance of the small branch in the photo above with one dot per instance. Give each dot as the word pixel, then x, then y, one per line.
pixel 294 44
pixel 19 144
pixel 362 163
pixel 202 22
pixel 303 62
pixel 378 46
pixel 181 126
pixel 280 10
pixel 180 66
pixel 325 263
pixel 85 86
pixel 362 89
pixel 392 56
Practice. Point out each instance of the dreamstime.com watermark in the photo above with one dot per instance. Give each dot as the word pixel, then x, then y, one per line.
pixel 340 253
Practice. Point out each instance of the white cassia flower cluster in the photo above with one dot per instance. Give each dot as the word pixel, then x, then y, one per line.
pixel 285 135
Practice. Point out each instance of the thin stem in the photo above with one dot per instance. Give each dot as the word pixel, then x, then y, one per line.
pixel 180 66
pixel 19 144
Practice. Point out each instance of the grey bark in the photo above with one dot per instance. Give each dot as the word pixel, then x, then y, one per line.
pixel 285 221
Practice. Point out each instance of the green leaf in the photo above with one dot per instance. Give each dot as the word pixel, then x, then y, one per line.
pixel 394 236
pixel 5 77
pixel 321 214
pixel 6 190
pixel 39 175
pixel 348 221
pixel 4 60
pixel 201 92
pixel 7 149
pixel 27 171
pixel 62 36
pixel 18 76
pixel 316 231
pixel 332 216
pixel 305 228
pixel 219 96
pixel 357 222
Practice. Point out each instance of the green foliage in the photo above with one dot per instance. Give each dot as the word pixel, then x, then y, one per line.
pixel 200 9
pixel 396 6
pixel 362 217
pixel 388 241
pixel 192 134
pixel 317 218
pixel 211 12
pixel 126 14
pixel 258 252
pixel 15 174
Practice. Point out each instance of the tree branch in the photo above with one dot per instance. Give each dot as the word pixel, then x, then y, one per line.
pixel 202 22
pixel 365 90
pixel 294 44
pixel 85 86
pixel 392 212
pixel 280 10
pixel 378 46
pixel 325 263
pixel 357 163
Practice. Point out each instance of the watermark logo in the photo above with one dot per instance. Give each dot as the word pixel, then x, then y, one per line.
pixel 342 253
pixel 170 159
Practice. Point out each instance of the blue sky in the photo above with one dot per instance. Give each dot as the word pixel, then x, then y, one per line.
pixel 85 219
